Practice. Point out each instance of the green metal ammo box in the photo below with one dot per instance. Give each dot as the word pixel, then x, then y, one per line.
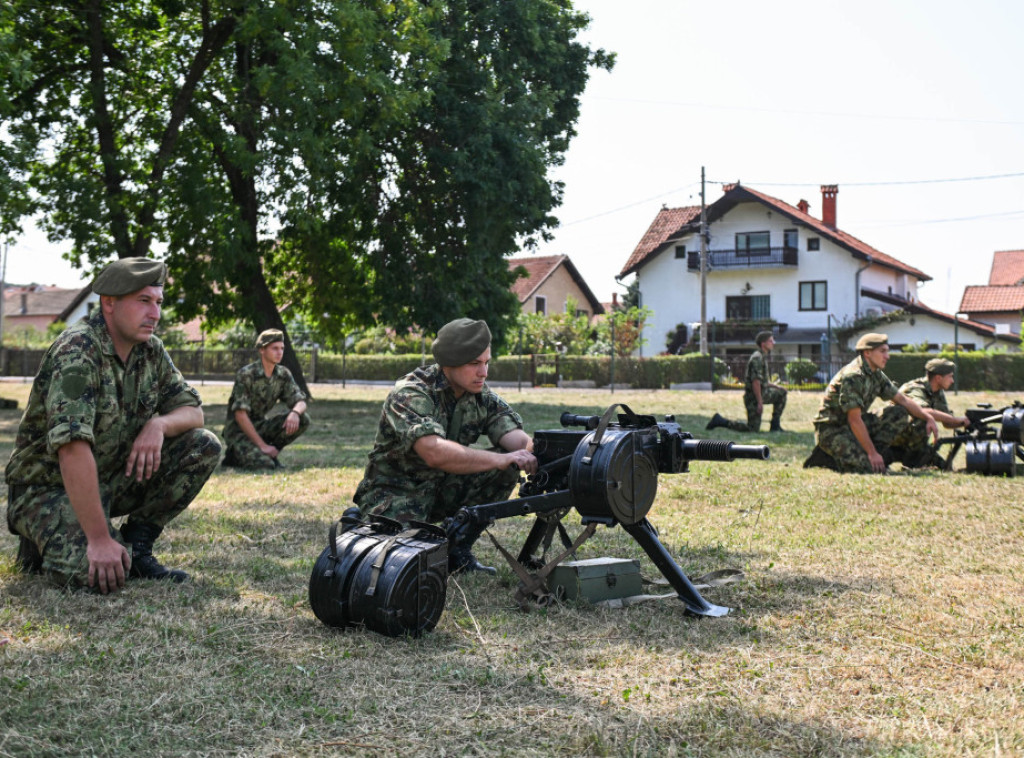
pixel 597 579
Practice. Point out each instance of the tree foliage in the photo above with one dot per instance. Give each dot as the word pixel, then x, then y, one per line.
pixel 364 161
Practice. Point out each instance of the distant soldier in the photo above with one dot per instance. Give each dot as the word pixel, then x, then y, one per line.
pixel 111 429
pixel 422 466
pixel 757 392
pixel 910 444
pixel 255 439
pixel 849 437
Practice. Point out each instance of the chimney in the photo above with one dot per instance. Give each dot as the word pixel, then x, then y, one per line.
pixel 828 204
pixel 803 205
pixel 615 300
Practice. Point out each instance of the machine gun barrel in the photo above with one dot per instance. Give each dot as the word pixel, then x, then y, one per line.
pixel 722 450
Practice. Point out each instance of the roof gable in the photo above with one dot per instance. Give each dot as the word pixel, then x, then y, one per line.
pixel 978 327
pixel 669 223
pixel 992 299
pixel 1007 267
pixel 539 269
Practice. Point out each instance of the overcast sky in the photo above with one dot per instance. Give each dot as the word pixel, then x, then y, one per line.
pixel 913 108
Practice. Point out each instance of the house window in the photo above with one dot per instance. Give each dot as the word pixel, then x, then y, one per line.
pixel 813 296
pixel 748 307
pixel 540 304
pixel 789 239
pixel 813 243
pixel 752 243
pixel 680 252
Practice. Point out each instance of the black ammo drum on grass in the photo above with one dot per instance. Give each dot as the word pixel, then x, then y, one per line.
pixel 385 575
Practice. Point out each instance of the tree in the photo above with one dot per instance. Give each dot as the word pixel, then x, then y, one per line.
pixel 362 161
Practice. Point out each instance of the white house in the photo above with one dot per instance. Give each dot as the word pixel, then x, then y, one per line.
pixel 771 264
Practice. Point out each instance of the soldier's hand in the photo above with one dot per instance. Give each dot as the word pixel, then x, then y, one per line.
pixel 524 460
pixel 144 459
pixel 291 423
pixel 877 462
pixel 269 450
pixel 108 564
pixel 933 429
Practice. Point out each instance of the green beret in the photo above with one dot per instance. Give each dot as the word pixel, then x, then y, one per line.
pixel 762 337
pixel 939 366
pixel 269 337
pixel 128 275
pixel 871 340
pixel 460 341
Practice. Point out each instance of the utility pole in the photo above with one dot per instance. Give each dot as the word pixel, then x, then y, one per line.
pixel 703 270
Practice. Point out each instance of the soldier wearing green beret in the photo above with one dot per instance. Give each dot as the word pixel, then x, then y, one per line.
pixel 422 466
pixel 254 439
pixel 850 438
pixel 758 392
pixel 910 444
pixel 112 429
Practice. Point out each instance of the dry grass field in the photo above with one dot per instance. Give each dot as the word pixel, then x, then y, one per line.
pixel 878 616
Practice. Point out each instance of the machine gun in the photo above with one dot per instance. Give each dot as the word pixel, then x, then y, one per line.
pixel 392 577
pixel 992 441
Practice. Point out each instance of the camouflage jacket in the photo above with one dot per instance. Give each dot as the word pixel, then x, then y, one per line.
pixel 920 390
pixel 257 394
pixel 854 386
pixel 757 368
pixel 84 392
pixel 422 403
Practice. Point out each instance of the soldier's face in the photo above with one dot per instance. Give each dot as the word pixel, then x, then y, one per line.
pixel 274 352
pixel 469 377
pixel 878 357
pixel 132 319
pixel 946 381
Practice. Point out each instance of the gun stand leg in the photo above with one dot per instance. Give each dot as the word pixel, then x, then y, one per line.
pixel 537 534
pixel 643 532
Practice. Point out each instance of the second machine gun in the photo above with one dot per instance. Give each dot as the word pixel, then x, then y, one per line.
pixel 608 472
pixel 988 449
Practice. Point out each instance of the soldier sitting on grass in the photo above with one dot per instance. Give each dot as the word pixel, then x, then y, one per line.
pixel 254 439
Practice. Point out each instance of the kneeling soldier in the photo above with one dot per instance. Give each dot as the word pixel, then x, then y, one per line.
pixel 421 466
pixel 111 429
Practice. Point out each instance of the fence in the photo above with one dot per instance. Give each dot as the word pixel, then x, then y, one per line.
pixel 997 372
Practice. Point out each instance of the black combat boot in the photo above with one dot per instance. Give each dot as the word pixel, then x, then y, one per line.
pixel 141 536
pixel 30 561
pixel 776 426
pixel 716 421
pixel 460 556
pixel 820 459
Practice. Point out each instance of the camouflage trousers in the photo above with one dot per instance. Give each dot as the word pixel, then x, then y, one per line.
pixel 773 396
pixel 455 491
pixel 44 514
pixel 243 454
pixel 850 457
pixel 910 444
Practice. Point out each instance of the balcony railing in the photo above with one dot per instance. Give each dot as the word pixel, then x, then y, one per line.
pixel 774 257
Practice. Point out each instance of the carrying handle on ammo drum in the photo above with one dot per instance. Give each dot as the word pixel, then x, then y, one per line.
pixel 602 425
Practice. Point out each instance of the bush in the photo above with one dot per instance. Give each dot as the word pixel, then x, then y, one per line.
pixel 800 371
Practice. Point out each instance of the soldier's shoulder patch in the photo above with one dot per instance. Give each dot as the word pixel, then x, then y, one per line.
pixel 73 384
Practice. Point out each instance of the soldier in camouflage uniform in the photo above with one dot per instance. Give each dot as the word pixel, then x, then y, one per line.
pixel 253 439
pixel 910 444
pixel 111 429
pixel 757 393
pixel 422 466
pixel 849 437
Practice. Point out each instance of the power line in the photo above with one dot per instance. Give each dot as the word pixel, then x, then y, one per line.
pixel 885 184
pixel 630 205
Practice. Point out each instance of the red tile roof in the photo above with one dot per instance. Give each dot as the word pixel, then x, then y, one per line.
pixel 670 222
pixel 1007 267
pixel 539 268
pixel 667 224
pixel 992 299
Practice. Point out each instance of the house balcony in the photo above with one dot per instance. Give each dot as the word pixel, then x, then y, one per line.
pixel 766 257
